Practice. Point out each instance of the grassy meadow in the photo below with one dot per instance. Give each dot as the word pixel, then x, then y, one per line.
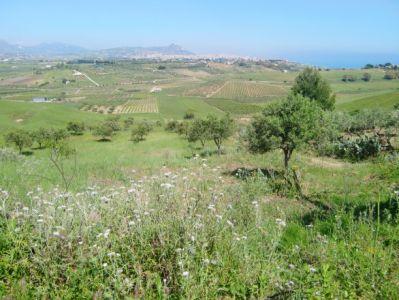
pixel 164 218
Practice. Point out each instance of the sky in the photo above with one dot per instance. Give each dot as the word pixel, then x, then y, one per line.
pixel 322 32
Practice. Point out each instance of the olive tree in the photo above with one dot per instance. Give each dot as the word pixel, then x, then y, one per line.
pixel 104 131
pixel 140 131
pixel 198 131
pixel 219 129
pixel 310 84
pixel 20 138
pixel 286 125
pixel 41 136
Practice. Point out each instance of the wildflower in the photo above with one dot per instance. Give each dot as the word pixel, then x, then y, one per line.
pixel 106 233
pixel 186 274
pixel 167 186
pixel 206 261
pixel 105 265
pixel 280 222
pixel 57 234
pixel 291 266
pixel 290 284
pixel 230 223
pixel 312 269
pixel 211 207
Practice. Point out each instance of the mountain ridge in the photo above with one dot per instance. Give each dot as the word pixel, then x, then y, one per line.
pixel 63 50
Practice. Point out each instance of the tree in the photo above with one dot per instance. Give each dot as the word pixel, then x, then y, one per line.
pixel 57 135
pixel 189 115
pixel 113 122
pixel 76 128
pixel 369 66
pixel 349 78
pixel 140 131
pixel 198 131
pixel 389 75
pixel 366 77
pixel 41 136
pixel 60 151
pixel 105 131
pixel 128 122
pixel 20 138
pixel 219 129
pixel 310 84
pixel 286 125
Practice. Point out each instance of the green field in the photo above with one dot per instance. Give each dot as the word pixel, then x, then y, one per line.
pixel 165 218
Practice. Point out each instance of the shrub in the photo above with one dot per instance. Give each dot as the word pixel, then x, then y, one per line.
pixel 189 115
pixel 76 128
pixel 358 149
pixel 366 77
pixel 390 75
pixel 140 131
pixel 128 122
pixel 7 154
pixel 348 78
pixel 105 131
pixel 171 125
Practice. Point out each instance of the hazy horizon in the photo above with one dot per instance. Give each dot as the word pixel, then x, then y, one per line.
pixel 330 34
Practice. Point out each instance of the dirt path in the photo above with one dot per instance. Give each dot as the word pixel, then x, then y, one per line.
pixel 77 73
pixel 216 91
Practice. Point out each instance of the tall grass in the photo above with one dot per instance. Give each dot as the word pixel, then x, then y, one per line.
pixel 192 233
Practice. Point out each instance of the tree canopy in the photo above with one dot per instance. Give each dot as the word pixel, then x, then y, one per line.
pixel 285 125
pixel 310 84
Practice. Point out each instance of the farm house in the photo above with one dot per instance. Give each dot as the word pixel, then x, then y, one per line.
pixel 40 99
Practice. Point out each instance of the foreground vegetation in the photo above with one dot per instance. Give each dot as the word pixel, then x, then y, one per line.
pixel 300 202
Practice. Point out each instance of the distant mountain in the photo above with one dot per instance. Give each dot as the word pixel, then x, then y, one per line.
pixel 61 50
pixel 55 49
pixel 131 52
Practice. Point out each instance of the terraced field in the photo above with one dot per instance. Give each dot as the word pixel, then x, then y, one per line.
pixel 146 105
pixel 247 90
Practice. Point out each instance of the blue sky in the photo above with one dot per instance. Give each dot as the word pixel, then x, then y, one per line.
pixel 299 29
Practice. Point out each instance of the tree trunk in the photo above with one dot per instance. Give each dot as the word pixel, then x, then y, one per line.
pixel 287 156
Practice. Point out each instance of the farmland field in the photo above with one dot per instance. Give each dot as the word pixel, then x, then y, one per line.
pixel 165 216
pixel 246 91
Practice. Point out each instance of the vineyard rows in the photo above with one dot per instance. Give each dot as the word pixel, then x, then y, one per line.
pixel 245 90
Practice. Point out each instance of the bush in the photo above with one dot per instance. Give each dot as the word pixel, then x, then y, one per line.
pixel 358 149
pixel 366 77
pixel 128 122
pixel 105 131
pixel 189 115
pixel 140 131
pixel 171 125
pixel 76 128
pixel 390 75
pixel 7 154
pixel 348 78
